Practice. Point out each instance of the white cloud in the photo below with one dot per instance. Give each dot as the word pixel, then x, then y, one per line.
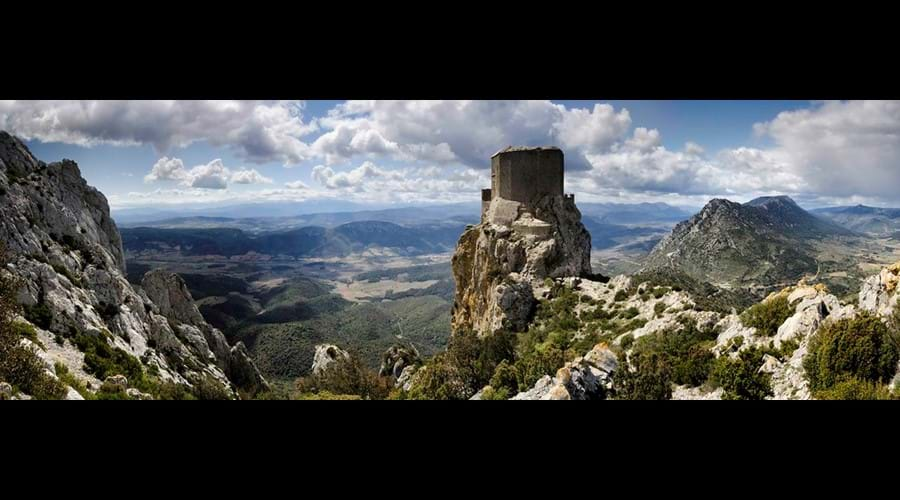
pixel 251 176
pixel 692 148
pixel 644 140
pixel 213 175
pixel 258 131
pixel 299 185
pixel 167 169
pixel 467 132
pixel 841 149
pixel 592 130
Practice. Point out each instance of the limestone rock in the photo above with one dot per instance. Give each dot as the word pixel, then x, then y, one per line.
pixel 68 254
pixel 405 380
pixel 499 263
pixel 72 395
pixel 117 381
pixel 136 394
pixel 879 293
pixel 397 358
pixel 6 391
pixel 326 354
pixel 682 392
pixel 586 378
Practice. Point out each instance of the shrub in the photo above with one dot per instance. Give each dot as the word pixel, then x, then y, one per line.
pixel 67 378
pixel 506 377
pixel 684 349
pixel 347 376
pixel 740 378
pixel 65 272
pixel 620 296
pixel 627 341
pixel 491 394
pixel 767 316
pixel 854 388
pixel 39 314
pixel 650 377
pixel 659 308
pixel 861 347
pixel 629 313
pixel 102 360
pixel 25 330
pixel 210 389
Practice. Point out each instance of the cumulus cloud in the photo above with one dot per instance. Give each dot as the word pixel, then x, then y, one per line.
pixel 841 149
pixel 249 176
pixel 467 132
pixel 692 148
pixel 213 175
pixel 260 131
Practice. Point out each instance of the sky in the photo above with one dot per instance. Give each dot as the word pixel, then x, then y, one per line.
pixel 384 153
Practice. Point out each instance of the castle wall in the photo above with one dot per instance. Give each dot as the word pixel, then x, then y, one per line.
pixel 525 174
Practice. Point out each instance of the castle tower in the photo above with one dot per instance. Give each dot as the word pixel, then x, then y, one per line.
pixel 524 175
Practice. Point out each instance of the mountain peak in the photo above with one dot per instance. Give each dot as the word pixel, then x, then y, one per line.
pixel 764 201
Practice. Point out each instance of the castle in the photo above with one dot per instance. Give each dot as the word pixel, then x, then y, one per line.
pixel 524 175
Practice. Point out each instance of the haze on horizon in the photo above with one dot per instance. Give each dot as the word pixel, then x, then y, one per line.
pixel 377 154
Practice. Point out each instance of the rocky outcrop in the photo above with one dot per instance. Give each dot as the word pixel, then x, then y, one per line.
pixel 879 293
pixel 170 294
pixel 66 250
pixel 326 355
pixel 499 262
pixel 585 378
pixel 397 359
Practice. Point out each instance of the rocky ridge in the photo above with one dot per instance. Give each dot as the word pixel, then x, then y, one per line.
pixel 66 250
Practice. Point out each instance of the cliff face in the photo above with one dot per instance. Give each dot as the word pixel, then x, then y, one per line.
pixel 499 263
pixel 67 252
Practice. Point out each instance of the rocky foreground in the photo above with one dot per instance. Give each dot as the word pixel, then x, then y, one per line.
pixel 65 250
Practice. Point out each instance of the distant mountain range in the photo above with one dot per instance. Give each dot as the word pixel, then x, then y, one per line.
pixel 634 214
pixel 267 216
pixel 765 242
pixel 310 241
pixel 863 219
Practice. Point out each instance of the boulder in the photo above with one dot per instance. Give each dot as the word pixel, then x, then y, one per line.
pixel 325 356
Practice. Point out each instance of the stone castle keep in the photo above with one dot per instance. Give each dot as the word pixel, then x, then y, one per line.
pixel 520 177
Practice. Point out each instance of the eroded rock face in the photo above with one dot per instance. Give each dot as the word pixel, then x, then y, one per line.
pixel 879 293
pixel 499 262
pixel 170 293
pixel 327 354
pixel 397 359
pixel 67 251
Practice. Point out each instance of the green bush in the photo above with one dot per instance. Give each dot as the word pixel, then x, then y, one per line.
pixel 67 378
pixel 861 347
pixel 506 376
pixel 103 360
pixel 39 314
pixel 620 296
pixel 740 378
pixel 629 313
pixel 856 389
pixel 650 377
pixel 659 308
pixel 65 272
pixel 767 316
pixel 627 341
pixel 684 349
pixel 25 330
pixel 491 394
pixel 347 376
